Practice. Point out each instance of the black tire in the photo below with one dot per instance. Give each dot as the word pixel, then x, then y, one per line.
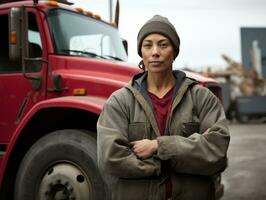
pixel 61 165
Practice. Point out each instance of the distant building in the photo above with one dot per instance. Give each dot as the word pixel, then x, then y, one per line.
pixel 253 49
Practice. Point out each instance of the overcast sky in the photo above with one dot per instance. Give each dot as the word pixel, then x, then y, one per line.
pixel 207 28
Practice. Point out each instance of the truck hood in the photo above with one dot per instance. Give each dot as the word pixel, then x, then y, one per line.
pixel 98 76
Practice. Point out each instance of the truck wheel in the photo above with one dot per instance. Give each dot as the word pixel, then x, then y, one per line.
pixel 61 165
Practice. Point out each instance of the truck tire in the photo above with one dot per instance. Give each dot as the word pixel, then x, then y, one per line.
pixel 61 165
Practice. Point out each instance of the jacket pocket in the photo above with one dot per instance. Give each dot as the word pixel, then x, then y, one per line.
pixel 137 131
pixel 189 128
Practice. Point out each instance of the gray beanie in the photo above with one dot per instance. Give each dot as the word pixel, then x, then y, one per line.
pixel 161 25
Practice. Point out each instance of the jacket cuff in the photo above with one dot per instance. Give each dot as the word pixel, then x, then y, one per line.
pixel 167 147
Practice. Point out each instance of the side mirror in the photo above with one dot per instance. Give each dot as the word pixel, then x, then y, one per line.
pixel 18 36
pixel 125 44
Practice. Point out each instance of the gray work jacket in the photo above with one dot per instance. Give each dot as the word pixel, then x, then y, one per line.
pixel 191 151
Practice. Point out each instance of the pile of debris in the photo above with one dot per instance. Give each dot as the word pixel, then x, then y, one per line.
pixel 246 91
pixel 242 81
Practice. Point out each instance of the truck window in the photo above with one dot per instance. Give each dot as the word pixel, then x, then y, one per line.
pixel 6 65
pixel 79 35
pixel 35 46
pixel 100 44
pixel 35 43
pixel 34 37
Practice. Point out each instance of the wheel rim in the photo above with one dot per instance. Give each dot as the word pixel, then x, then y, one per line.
pixel 64 181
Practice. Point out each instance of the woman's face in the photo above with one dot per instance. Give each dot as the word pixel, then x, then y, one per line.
pixel 157 53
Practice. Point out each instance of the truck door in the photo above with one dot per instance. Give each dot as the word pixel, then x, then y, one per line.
pixel 17 92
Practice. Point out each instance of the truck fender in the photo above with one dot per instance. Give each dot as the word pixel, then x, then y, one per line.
pixel 92 104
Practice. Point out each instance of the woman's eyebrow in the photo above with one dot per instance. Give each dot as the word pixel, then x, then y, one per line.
pixel 146 40
pixel 162 40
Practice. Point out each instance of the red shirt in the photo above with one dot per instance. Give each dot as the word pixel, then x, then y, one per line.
pixel 162 107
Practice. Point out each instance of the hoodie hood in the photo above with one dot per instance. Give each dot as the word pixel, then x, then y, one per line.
pixel 139 82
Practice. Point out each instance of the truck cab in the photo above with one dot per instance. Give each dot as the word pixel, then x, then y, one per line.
pixel 58 66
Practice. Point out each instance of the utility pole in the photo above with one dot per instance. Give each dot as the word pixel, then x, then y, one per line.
pixel 111 10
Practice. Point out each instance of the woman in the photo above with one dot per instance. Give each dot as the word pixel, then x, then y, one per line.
pixel 162 136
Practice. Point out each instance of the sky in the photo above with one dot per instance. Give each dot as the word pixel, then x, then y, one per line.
pixel 207 28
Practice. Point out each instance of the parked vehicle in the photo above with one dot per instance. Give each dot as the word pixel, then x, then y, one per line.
pixel 58 66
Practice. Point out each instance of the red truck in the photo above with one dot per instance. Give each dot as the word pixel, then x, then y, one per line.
pixel 58 66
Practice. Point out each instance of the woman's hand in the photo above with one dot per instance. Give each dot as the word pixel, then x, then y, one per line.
pixel 144 148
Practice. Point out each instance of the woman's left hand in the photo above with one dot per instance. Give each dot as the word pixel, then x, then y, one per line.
pixel 144 148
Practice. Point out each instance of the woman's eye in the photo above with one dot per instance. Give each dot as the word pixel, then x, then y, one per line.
pixel 146 45
pixel 163 45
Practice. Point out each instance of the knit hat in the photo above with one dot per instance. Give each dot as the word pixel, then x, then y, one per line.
pixel 161 25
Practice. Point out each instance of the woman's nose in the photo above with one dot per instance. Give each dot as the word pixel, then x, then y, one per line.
pixel 155 51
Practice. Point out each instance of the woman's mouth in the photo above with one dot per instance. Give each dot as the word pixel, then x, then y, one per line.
pixel 155 63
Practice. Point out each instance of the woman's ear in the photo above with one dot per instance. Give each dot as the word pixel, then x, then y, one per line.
pixel 141 65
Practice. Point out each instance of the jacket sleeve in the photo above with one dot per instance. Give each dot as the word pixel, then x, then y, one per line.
pixel 201 153
pixel 114 154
